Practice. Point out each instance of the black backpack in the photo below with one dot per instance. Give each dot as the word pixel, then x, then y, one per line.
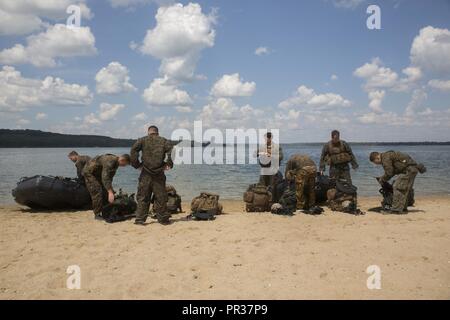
pixel 123 208
pixel 288 202
pixel 323 184
pixel 278 187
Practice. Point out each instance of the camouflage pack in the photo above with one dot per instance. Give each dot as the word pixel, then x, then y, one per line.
pixel 257 198
pixel 123 208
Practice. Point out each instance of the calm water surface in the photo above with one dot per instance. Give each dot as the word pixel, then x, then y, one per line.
pixel 227 180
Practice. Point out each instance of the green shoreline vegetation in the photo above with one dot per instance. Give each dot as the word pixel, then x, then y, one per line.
pixel 10 138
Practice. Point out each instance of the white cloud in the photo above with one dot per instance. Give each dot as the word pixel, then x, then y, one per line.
pixel 376 76
pixel 161 93
pixel 185 109
pixel 430 50
pixel 106 112
pixel 41 116
pixel 140 117
pixel 18 93
pixel 57 41
pixel 180 34
pixel 347 4
pixel 18 24
pixel 91 119
pixel 443 85
pixel 135 3
pixel 223 112
pixel 19 17
pixel 334 77
pixel 109 111
pixel 23 122
pixel 376 98
pixel 306 97
pixel 232 86
pixel 260 51
pixel 416 103
pixel 113 79
pixel 378 79
pixel 381 118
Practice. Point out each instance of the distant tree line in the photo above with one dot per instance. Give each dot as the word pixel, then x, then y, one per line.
pixel 41 139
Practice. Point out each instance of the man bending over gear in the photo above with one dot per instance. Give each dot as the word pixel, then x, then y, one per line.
pixel 155 160
pixel 98 174
pixel 80 163
pixel 401 164
pixel 302 170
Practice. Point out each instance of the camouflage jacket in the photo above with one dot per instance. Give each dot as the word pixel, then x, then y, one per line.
pixel 80 164
pixel 394 163
pixel 325 156
pixel 103 167
pixel 156 153
pixel 299 161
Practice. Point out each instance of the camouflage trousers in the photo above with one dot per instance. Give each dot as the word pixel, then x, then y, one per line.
pixel 305 181
pixel 402 189
pixel 341 173
pixel 152 185
pixel 97 192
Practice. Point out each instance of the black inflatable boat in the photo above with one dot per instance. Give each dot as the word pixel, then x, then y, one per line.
pixel 47 192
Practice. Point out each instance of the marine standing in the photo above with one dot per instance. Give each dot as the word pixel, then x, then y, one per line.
pixel 80 162
pixel 155 160
pixel 98 174
pixel 302 170
pixel 401 164
pixel 338 154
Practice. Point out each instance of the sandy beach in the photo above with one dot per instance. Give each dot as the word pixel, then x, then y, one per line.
pixel 237 256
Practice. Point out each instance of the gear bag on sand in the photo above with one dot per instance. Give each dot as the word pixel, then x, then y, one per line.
pixel 257 198
pixel 323 184
pixel 287 204
pixel 387 191
pixel 343 198
pixel 206 206
pixel 123 208
pixel 173 200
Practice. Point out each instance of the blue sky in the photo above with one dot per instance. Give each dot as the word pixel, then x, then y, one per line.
pixel 320 68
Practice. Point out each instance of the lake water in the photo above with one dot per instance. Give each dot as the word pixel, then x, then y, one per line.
pixel 230 181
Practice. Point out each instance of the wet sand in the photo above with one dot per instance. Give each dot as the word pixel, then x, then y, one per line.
pixel 237 256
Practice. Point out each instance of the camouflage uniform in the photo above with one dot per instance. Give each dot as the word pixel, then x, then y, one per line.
pixel 155 156
pixel 397 163
pixel 269 180
pixel 303 170
pixel 338 171
pixel 80 164
pixel 98 175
